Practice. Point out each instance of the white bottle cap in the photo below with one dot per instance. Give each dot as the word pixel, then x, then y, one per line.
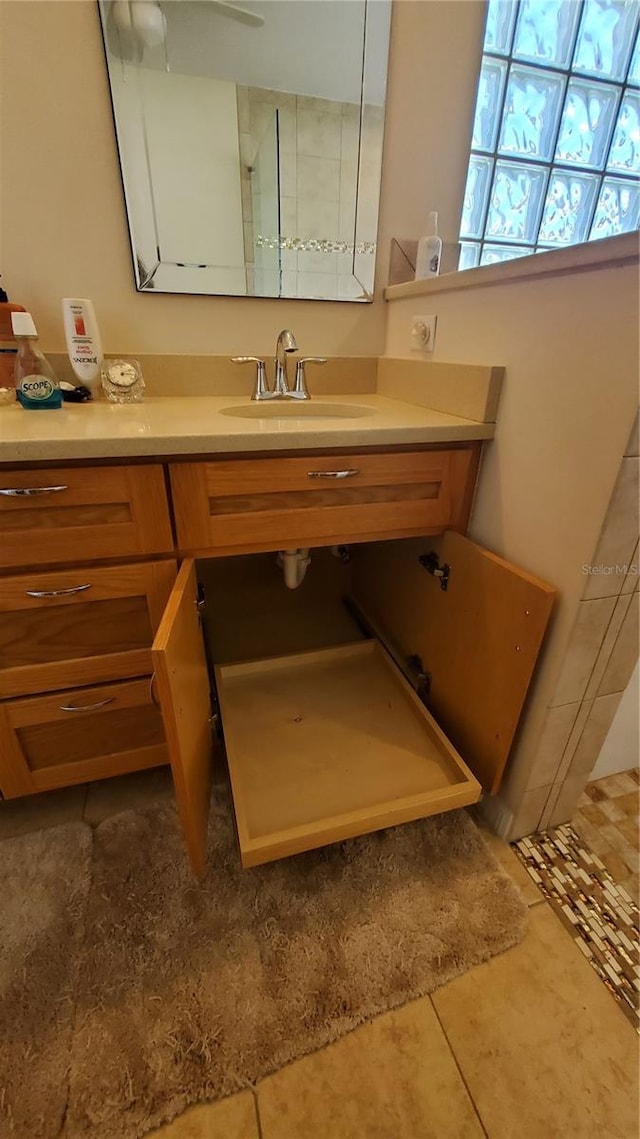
pixel 432 224
pixel 22 324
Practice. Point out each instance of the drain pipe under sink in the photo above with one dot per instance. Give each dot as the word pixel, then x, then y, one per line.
pixel 294 564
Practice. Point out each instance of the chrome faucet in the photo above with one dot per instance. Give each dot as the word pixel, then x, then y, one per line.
pixel 285 343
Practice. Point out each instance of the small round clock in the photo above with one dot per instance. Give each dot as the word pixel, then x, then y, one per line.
pixel 122 381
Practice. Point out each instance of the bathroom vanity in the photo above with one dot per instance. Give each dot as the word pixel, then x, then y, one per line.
pixel 387 688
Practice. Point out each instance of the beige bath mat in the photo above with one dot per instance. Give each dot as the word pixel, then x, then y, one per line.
pixel 190 992
pixel 44 879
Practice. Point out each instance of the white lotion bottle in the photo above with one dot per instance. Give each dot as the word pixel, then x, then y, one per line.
pixel 429 251
pixel 83 341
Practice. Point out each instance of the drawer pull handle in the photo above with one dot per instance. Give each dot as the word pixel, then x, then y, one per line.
pixel 57 592
pixel 87 707
pixel 27 491
pixel 152 694
pixel 348 474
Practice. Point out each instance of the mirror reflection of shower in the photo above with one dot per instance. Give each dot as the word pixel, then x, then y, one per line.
pixel 249 169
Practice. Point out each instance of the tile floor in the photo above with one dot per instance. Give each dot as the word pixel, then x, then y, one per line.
pixel 588 871
pixel 529 1045
pixel 92 802
pixel 607 820
pixel 600 915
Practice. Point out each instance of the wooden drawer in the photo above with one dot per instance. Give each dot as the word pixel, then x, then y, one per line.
pixel 77 735
pixel 250 505
pixel 66 515
pixel 59 628
pixel 323 746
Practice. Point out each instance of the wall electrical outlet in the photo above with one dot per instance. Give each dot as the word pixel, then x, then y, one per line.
pixel 423 333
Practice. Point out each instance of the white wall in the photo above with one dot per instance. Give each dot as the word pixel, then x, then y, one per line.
pixel 621 749
pixel 569 345
pixel 191 128
pixel 305 47
pixel 192 132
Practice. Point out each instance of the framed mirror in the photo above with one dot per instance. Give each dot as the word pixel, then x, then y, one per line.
pixel 250 141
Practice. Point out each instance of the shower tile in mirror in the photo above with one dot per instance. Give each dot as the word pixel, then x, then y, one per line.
pixel 349 288
pixel 317 286
pixel 317 216
pixel 318 179
pixel 346 220
pixel 319 133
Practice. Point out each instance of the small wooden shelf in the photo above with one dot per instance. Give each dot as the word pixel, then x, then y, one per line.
pixel 326 745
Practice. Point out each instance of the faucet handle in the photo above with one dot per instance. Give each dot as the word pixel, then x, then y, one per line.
pixel 300 389
pixel 261 390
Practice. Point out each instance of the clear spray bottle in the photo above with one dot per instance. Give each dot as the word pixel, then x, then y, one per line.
pixel 36 383
pixel 429 251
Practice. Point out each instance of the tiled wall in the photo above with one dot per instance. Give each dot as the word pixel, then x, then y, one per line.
pixel 319 154
pixel 601 656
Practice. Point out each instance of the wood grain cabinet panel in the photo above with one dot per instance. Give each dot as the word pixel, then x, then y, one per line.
pixel 233 506
pixel 74 514
pixel 327 744
pixel 77 735
pixel 182 684
pixel 478 640
pixel 323 746
pixel 81 626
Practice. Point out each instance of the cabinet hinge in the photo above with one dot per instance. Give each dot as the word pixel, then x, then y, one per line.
pixel 432 565
pixel 215 722
pixel 422 678
pixel 200 601
pixel 342 552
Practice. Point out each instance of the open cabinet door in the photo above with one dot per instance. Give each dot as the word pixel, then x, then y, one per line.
pixel 478 640
pixel 182 686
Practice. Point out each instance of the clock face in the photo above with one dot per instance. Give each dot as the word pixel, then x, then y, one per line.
pixel 122 380
pixel 122 375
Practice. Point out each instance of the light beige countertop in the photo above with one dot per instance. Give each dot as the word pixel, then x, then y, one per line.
pixel 186 425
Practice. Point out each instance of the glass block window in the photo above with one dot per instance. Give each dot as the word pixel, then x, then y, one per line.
pixel 555 154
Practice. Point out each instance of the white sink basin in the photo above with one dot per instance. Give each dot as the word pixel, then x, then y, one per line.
pixel 283 409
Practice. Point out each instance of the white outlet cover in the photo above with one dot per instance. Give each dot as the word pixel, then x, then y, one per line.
pixel 423 333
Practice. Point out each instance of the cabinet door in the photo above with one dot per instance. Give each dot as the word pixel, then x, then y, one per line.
pixel 478 640
pixel 182 686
